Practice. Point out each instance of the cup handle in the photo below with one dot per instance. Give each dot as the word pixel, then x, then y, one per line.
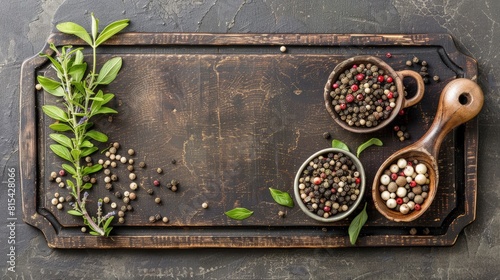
pixel 420 87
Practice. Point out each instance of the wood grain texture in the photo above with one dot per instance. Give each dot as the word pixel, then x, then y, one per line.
pixel 239 117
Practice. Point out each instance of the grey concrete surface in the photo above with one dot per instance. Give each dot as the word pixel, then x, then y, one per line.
pixel 475 25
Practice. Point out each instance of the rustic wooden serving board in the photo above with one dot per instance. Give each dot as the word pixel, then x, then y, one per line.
pixel 239 116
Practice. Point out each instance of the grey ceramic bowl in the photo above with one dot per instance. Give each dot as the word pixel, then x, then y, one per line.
pixel 352 208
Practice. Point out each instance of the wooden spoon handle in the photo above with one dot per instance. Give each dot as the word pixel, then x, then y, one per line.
pixel 460 101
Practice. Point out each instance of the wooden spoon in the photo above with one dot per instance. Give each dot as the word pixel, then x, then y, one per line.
pixel 460 101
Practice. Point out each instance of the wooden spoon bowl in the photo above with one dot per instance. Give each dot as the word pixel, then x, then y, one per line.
pixel 460 101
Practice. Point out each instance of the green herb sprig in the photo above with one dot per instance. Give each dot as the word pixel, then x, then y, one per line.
pixel 81 101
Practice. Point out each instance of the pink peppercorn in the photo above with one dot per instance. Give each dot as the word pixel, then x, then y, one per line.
pixel 388 55
pixel 360 77
pixel 394 176
pixel 335 85
pixel 413 184
pixel 62 172
pixel 156 183
pixel 317 180
pixel 360 97
pixel 380 78
pixel 326 209
pixel 399 200
pixel 418 207
pixel 358 180
pixel 349 98
pixel 401 112
pixel 390 95
pixel 343 106
pixel 354 87
pixel 389 79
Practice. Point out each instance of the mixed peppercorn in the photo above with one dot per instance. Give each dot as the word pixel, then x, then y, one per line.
pixel 364 95
pixel 405 185
pixel 329 184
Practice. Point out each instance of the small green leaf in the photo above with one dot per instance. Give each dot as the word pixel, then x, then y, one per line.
pixel 76 154
pixel 55 112
pixel 95 26
pixel 106 98
pixel 77 72
pixel 54 62
pixel 69 169
pixel 282 198
pixel 62 139
pixel 87 186
pixel 98 136
pixel 104 110
pixel 86 144
pixel 94 233
pixel 51 86
pixel 108 222
pixel 61 127
pixel 109 71
pixel 75 29
pixel 373 141
pixel 92 169
pixel 111 30
pixel 78 57
pixel 70 183
pixel 239 213
pixel 356 224
pixel 61 151
pixel 108 231
pixel 75 213
pixel 339 145
pixel 88 151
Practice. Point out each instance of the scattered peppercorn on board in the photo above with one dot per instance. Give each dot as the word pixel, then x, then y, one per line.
pixel 229 116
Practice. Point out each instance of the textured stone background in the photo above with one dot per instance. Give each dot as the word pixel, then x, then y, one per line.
pixel 475 25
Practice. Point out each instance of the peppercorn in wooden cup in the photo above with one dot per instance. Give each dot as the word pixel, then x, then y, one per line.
pixel 364 94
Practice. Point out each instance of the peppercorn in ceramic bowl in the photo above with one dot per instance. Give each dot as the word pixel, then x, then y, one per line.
pixel 330 185
pixel 364 94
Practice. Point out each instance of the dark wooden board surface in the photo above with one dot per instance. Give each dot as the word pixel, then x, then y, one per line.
pixel 239 117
